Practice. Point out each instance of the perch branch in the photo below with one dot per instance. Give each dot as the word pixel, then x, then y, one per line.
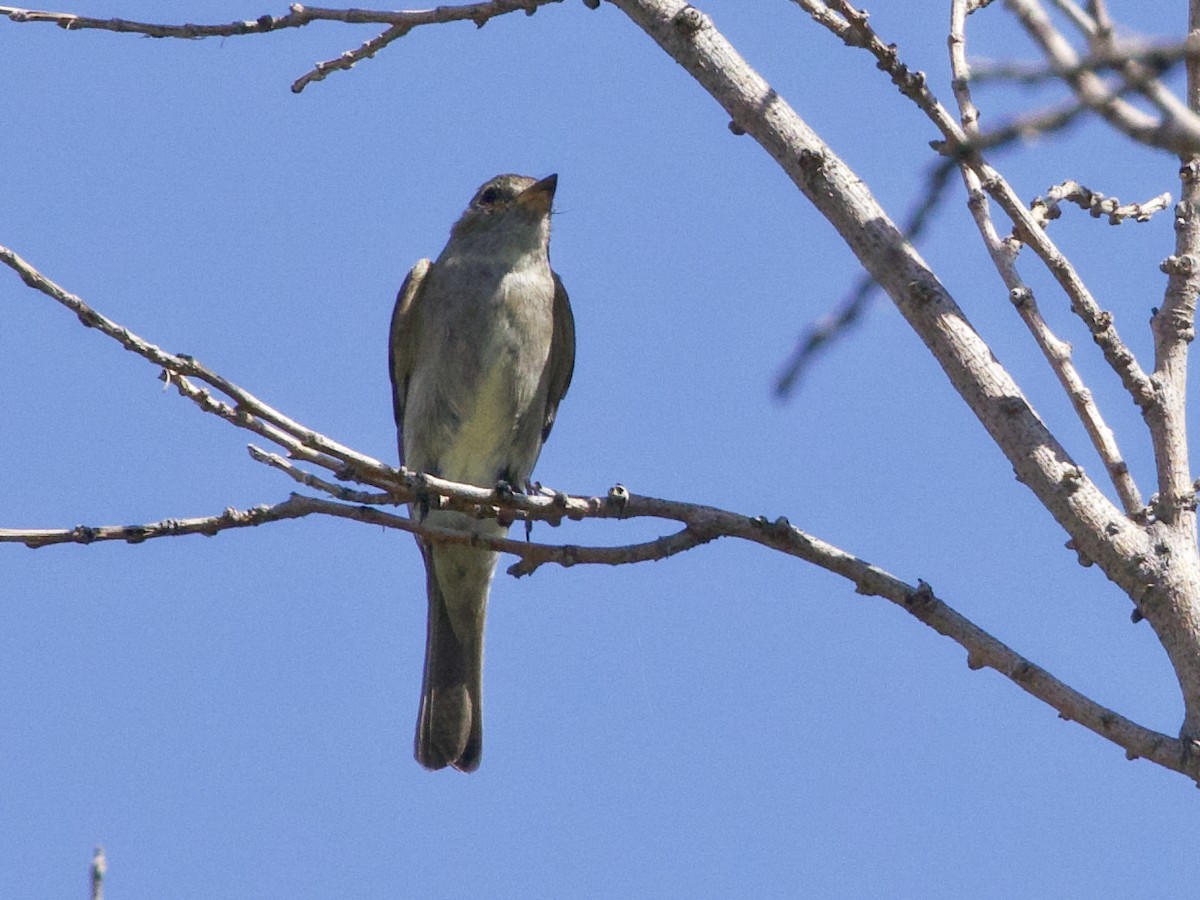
pixel 701 525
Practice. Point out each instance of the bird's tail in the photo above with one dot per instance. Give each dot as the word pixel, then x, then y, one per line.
pixel 450 723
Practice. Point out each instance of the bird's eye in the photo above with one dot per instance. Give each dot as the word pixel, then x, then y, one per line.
pixel 490 196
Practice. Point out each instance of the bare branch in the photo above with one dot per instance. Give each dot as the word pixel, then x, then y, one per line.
pixel 702 524
pixel 137 534
pixel 1158 58
pixel 245 411
pixel 1032 125
pixel 72 22
pixel 336 491
pixel 958 145
pixel 1179 128
pixel 298 16
pixel 1173 327
pixel 1104 24
pixel 349 58
pixel 827 330
pixel 1102 532
pixel 1057 353
pixel 1079 18
pixel 1004 257
pixel 403 23
pixel 243 418
pixel 399 24
pixel 850 25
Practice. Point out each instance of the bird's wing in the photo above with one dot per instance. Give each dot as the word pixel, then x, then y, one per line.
pixel 561 364
pixel 401 350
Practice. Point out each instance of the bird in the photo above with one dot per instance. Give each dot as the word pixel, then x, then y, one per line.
pixel 481 351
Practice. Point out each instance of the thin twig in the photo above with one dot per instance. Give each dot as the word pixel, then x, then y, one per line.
pixel 828 329
pixel 298 16
pixel 296 448
pixel 245 410
pixel 1177 130
pixel 347 60
pixel 851 26
pixel 1159 58
pixel 399 23
pixel 1104 23
pixel 819 335
pixel 1073 11
pixel 1004 257
pixel 137 534
pixel 1046 209
pixel 1173 325
pixel 309 480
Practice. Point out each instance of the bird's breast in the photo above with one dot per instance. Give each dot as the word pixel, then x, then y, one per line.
pixel 491 372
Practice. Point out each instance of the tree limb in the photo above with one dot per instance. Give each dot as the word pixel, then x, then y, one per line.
pixel 702 524
pixel 689 37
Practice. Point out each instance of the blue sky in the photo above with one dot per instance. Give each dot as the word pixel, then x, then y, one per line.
pixel 232 717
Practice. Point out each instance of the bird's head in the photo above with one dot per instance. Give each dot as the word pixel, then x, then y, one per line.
pixel 509 212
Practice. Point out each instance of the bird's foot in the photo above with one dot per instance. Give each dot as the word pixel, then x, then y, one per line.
pixel 504 491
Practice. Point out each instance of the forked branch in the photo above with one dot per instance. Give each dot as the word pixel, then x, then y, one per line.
pixel 701 524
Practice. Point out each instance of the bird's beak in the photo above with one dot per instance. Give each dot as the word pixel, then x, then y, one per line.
pixel 539 195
